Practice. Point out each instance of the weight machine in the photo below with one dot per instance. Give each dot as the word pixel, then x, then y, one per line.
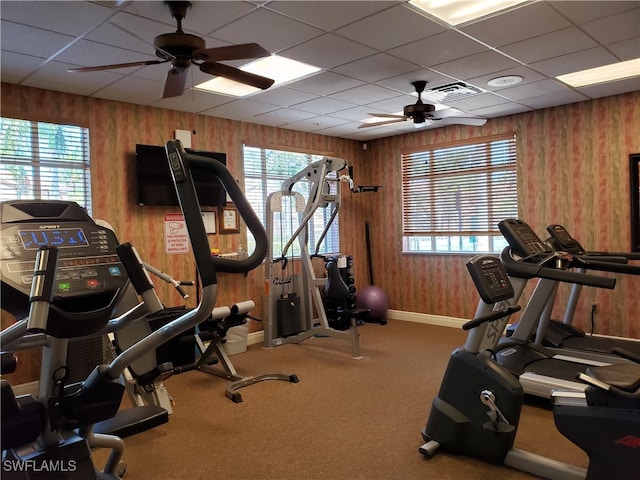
pixel 292 317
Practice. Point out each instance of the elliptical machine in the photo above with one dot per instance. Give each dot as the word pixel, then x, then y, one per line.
pixel 477 409
pixel 52 435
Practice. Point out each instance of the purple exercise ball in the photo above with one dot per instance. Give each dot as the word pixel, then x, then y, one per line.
pixel 375 299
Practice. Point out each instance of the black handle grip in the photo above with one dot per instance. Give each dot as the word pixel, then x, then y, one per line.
pixel 576 277
pixel 44 274
pixel 180 164
pixel 490 317
pixel 133 265
pixel 613 267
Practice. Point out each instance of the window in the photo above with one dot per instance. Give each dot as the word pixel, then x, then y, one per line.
pixel 44 161
pixel 265 170
pixel 454 196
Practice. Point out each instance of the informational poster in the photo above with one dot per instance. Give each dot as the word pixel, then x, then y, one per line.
pixel 176 237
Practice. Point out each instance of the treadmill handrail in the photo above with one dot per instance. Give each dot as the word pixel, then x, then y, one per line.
pixel 180 164
pixel 521 269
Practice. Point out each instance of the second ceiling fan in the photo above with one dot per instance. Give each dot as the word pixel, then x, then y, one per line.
pixel 183 49
pixel 423 114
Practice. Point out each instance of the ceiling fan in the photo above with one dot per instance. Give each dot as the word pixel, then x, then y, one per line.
pixel 421 113
pixel 183 49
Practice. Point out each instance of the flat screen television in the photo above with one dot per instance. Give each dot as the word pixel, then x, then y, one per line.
pixel 155 186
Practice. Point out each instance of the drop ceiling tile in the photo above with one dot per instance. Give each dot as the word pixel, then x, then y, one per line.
pixel 561 42
pixel 283 96
pixel 202 18
pixel 527 21
pixel 528 76
pixel 625 50
pixel 615 28
pixel 594 57
pixel 501 110
pixel 325 83
pixel 376 67
pixel 31 41
pixel 440 48
pixel 400 25
pixel 356 114
pixel 611 88
pixel 15 67
pixel 69 18
pixel 273 31
pixel 328 51
pixel 312 124
pixel 365 94
pixel 402 83
pixel 138 91
pixel 393 105
pixel 244 110
pixel 477 101
pixel 282 116
pixel 319 14
pixel 54 76
pixel 323 106
pixel 475 65
pixel 586 10
pixel 561 98
pixel 85 53
pixel 193 101
pixel 531 90
pixel 129 32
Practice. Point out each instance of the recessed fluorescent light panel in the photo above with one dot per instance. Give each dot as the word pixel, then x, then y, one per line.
pixel 281 69
pixel 606 73
pixel 455 12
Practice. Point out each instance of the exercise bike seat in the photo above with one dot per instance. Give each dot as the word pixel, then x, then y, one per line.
pixel 625 376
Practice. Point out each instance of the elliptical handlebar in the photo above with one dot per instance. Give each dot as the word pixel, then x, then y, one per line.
pixel 180 164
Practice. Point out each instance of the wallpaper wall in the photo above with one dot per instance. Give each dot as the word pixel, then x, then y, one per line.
pixel 572 169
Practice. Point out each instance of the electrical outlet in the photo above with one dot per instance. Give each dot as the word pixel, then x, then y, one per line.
pixel 594 307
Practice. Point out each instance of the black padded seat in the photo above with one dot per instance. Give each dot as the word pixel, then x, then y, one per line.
pixel 625 376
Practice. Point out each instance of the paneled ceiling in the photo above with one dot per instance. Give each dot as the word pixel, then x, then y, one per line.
pixel 369 53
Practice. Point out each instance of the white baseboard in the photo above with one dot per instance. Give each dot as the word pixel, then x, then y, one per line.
pixel 427 318
pixel 255 337
pixel 440 320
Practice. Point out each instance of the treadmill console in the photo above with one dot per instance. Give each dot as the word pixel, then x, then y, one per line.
pixel 522 239
pixel 566 242
pixel 89 275
pixel 490 278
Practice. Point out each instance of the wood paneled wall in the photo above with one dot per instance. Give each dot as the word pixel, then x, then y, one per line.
pixel 572 169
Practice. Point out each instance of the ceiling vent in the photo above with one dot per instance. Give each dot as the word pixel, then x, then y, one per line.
pixel 456 91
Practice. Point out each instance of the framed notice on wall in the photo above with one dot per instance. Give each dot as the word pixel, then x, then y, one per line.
pixel 229 220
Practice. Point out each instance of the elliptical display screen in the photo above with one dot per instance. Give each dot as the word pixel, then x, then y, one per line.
pixel 61 238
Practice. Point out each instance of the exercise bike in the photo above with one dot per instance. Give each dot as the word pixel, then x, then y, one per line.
pixel 477 409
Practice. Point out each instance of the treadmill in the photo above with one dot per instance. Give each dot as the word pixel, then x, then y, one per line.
pixel 562 334
pixel 540 369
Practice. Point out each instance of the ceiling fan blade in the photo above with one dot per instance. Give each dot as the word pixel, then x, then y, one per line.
pixel 232 52
pixel 473 121
pixel 175 82
pixel 386 122
pixel 386 115
pixel 237 75
pixel 116 65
